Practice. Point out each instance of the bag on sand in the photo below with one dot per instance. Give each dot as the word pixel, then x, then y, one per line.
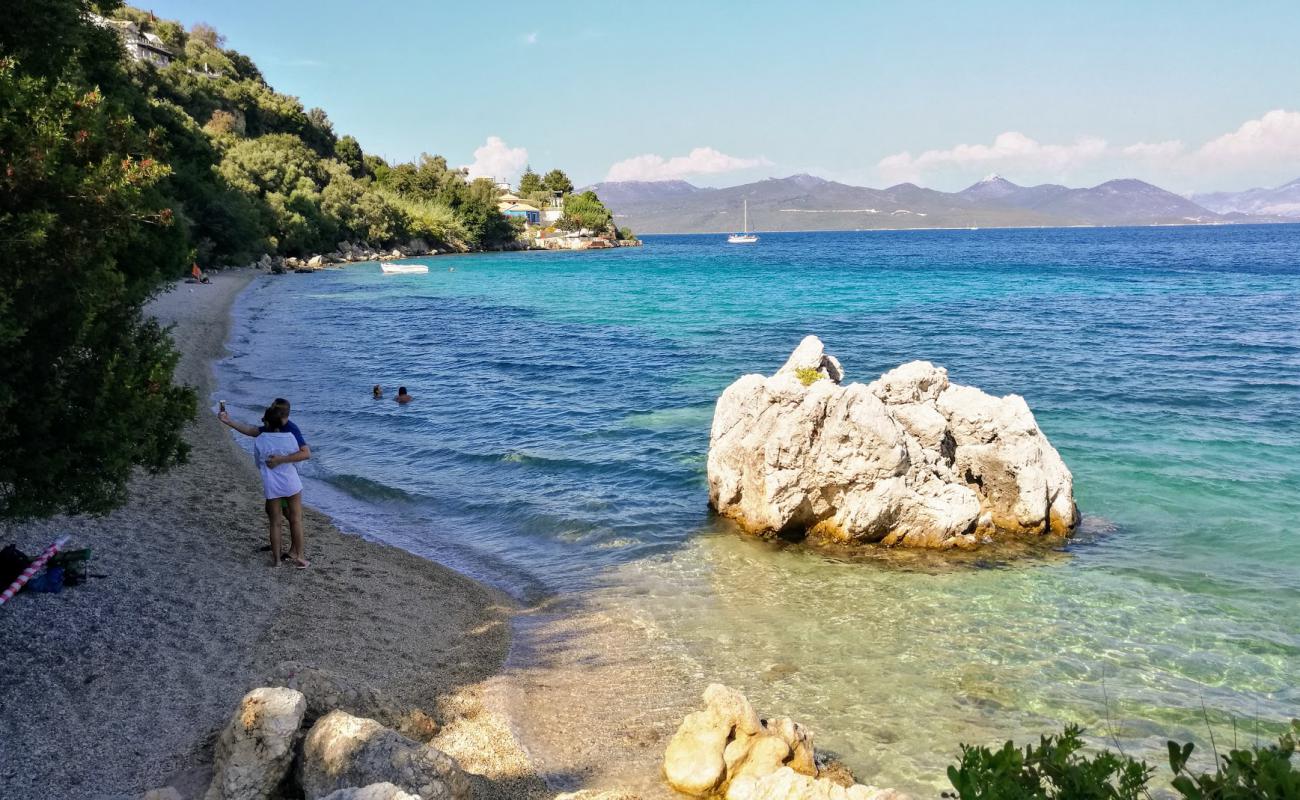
pixel 12 563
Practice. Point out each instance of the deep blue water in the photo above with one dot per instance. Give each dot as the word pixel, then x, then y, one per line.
pixel 559 434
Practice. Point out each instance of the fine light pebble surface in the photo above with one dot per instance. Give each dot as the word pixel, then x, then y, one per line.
pixel 121 685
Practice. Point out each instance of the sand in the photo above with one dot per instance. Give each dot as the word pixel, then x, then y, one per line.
pixel 120 685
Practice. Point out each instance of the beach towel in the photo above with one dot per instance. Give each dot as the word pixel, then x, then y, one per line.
pixel 283 480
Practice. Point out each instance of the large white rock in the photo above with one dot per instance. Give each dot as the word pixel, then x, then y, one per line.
pixel 256 749
pixel 375 791
pixel 909 459
pixel 343 751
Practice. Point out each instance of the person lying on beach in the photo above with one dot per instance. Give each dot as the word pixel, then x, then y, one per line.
pixel 402 396
pixel 277 447
pixel 378 392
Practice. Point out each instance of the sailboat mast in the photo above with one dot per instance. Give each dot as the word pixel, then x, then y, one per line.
pixel 745 229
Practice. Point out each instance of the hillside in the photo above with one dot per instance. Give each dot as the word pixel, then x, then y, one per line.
pixel 804 202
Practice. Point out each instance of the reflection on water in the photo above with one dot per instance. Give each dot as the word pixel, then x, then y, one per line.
pixel 557 449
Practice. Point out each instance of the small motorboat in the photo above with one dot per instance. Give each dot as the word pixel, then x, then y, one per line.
pixel 403 269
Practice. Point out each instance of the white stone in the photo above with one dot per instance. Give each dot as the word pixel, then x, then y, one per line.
pixel 786 784
pixel 375 791
pixel 908 459
pixel 256 749
pixel 344 751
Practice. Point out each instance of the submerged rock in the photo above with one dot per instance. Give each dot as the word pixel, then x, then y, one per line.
pixel 909 459
pixel 727 750
pixel 256 749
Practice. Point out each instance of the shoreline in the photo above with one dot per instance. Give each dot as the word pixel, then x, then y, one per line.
pixel 129 678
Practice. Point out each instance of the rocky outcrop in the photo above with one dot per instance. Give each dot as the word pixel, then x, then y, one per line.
pixel 343 751
pixel 909 459
pixel 256 749
pixel 726 750
pixel 786 784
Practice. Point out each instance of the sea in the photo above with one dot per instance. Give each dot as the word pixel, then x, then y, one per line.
pixel 556 450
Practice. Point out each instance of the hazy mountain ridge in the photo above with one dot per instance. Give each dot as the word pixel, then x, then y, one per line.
pixel 805 202
pixel 1281 201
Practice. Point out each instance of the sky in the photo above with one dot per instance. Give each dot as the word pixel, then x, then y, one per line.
pixel 1193 96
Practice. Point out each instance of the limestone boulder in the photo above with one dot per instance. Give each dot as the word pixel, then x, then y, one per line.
pixel 787 784
pixel 375 791
pixel 256 748
pixel 909 459
pixel 727 740
pixel 343 751
pixel 316 261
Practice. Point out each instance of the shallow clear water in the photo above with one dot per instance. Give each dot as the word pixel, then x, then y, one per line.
pixel 558 439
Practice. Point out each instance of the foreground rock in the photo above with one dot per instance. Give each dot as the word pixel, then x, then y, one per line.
pixel 727 750
pixel 375 791
pixel 786 784
pixel 909 459
pixel 256 749
pixel 343 751
pixel 326 691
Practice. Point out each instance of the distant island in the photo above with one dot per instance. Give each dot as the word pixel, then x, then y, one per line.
pixel 808 203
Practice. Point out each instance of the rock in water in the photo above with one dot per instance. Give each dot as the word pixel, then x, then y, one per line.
pixel 256 748
pixel 343 751
pixel 726 750
pixel 909 459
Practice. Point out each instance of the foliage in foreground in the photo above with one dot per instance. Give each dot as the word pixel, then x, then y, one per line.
pixel 86 389
pixel 1056 769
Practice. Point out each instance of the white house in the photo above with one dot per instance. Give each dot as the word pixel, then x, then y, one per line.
pixel 140 46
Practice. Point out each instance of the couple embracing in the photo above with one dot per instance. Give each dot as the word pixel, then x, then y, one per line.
pixel 277 446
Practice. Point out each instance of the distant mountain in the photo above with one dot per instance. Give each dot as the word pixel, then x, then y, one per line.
pixel 805 202
pixel 1283 201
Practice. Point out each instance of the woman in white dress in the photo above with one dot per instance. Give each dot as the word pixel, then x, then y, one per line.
pixel 277 446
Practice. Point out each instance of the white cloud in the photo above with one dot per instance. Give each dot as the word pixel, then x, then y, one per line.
pixel 530 38
pixel 1274 136
pixel 1010 150
pixel 700 161
pixel 1258 149
pixel 496 159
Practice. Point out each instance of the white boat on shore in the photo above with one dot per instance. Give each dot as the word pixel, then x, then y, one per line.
pixel 403 269
pixel 744 237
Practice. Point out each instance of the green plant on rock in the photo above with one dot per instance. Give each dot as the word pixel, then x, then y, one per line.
pixel 808 375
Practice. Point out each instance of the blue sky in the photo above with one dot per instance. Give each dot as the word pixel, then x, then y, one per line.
pixel 1191 95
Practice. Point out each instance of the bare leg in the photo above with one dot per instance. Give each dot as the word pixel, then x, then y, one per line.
pixel 297 547
pixel 273 519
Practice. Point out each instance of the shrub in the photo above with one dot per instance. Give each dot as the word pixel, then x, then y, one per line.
pixel 1056 770
pixel 808 375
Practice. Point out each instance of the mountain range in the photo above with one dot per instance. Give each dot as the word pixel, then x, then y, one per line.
pixel 1283 201
pixel 805 202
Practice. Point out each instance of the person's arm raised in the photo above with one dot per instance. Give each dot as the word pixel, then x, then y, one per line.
pixel 247 430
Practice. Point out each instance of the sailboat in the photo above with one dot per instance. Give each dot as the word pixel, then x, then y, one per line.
pixel 744 237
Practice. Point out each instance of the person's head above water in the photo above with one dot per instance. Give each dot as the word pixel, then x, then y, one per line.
pixel 401 390
pixel 280 402
pixel 378 391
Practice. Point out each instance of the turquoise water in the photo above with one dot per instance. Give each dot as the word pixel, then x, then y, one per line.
pixel 557 446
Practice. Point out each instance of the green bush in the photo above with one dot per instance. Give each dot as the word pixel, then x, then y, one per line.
pixel 1055 769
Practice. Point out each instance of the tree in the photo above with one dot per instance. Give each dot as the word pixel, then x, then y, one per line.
pixel 87 392
pixel 529 183
pixel 557 181
pixel 585 212
pixel 348 150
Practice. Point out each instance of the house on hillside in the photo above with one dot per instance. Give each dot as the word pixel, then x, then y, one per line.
pixel 554 210
pixel 139 46
pixel 530 214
